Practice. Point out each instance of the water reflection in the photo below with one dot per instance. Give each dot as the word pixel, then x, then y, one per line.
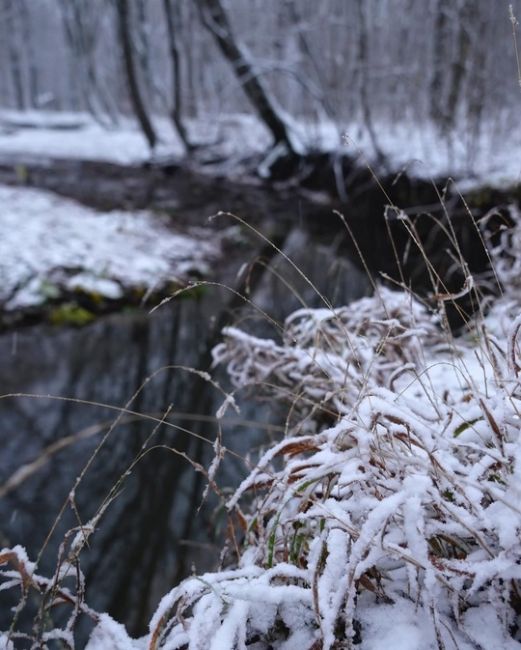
pixel 140 549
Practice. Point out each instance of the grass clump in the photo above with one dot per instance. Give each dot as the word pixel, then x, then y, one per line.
pixel 394 493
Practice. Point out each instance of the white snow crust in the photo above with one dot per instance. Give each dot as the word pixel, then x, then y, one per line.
pixel 50 243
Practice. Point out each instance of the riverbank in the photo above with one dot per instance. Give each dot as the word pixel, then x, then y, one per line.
pixel 304 192
pixel 63 262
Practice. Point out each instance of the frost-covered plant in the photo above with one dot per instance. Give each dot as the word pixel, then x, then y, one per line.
pixel 506 260
pixel 399 521
pixel 407 504
pixel 18 572
pixel 328 358
pixel 507 263
pixel 389 514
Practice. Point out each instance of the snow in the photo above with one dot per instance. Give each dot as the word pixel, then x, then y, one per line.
pixel 5 643
pixel 483 628
pixel 90 141
pixel 490 157
pixel 124 143
pixel 50 244
pixel 402 626
pixel 110 634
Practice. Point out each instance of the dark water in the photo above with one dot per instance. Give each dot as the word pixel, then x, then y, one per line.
pixel 106 362
pixel 153 532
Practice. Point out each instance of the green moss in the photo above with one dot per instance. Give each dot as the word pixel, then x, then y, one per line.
pixel 137 293
pixel 71 313
pixel 486 196
pixel 480 198
pixel 94 297
pixel 22 174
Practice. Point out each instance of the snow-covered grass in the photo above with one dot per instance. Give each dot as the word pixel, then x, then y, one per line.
pixel 388 516
pixel 398 490
pixel 51 245
pixel 490 155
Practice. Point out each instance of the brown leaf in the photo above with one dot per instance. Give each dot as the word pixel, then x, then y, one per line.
pixel 293 448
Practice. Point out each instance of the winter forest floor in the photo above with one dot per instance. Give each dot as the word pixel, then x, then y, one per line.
pixel 490 156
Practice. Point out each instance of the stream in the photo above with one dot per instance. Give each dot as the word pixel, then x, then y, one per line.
pixel 156 530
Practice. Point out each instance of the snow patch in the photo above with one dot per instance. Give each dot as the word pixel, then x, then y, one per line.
pixel 50 244
pixel 490 157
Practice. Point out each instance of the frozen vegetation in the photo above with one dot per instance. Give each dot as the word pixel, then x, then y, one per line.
pixel 387 516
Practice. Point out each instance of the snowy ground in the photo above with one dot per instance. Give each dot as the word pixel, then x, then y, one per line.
pixel 492 156
pixel 50 244
pixel 70 135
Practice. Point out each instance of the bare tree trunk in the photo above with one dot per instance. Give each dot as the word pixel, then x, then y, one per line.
pixel 81 31
pixel 478 77
pixel 14 56
pixel 73 40
pixel 171 8
pixel 440 47
pixel 191 21
pixel 460 60
pixel 451 63
pixel 142 47
pixel 27 36
pixel 216 21
pixel 363 82
pixel 138 105
pixel 306 49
